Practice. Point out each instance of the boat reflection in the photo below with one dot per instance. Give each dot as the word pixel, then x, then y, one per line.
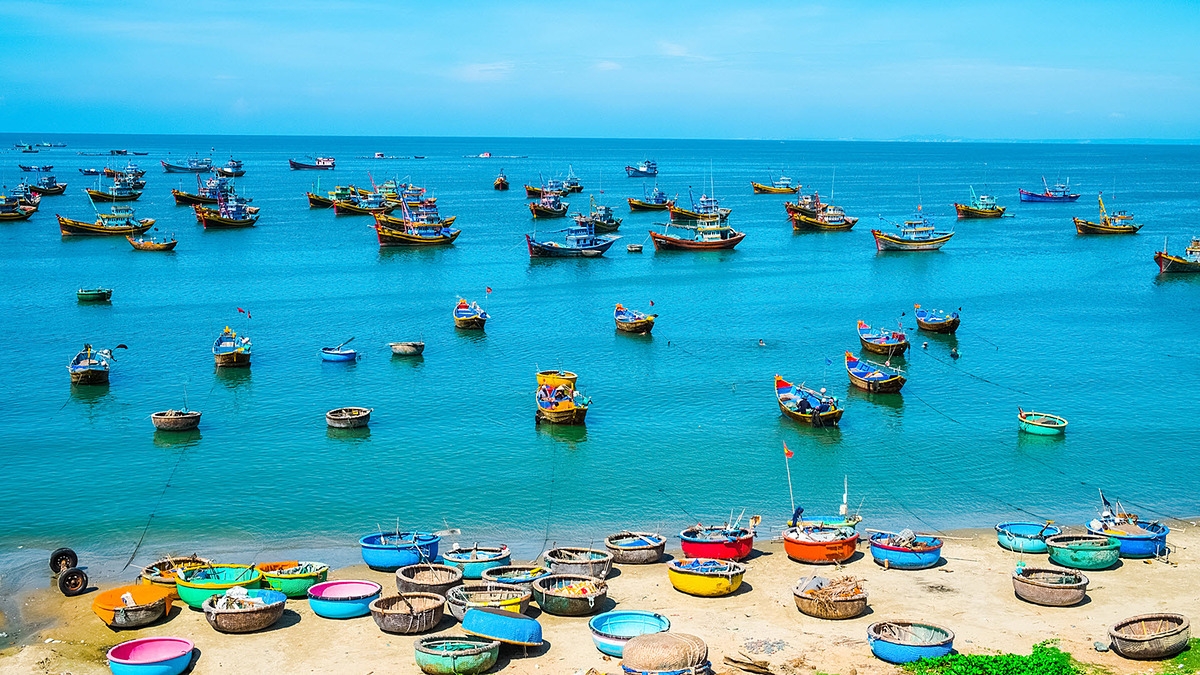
pixel 232 377
pixel 177 439
pixel 572 435
pixel 358 435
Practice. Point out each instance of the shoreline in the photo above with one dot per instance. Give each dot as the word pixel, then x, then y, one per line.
pixel 970 592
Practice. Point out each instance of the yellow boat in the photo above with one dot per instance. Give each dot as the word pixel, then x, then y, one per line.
pixel 781 186
pixel 705 577
pixel 1116 223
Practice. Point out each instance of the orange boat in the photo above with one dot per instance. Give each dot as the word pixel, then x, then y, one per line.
pixel 819 544
pixel 150 603
pixel 705 236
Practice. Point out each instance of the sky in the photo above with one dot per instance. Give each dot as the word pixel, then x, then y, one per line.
pixel 877 70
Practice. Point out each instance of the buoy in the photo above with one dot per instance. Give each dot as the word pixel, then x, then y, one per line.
pixel 954 352
pixel 924 345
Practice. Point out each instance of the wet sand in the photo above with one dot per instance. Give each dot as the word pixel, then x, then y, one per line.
pixel 970 593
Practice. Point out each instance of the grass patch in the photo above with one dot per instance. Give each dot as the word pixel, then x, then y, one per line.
pixel 1187 662
pixel 1046 659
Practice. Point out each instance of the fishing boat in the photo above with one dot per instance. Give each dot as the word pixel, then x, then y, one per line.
pixel 48 185
pixel 841 598
pixel 401 232
pixel 13 210
pixel 704 577
pixel 425 212
pixel 229 214
pixel 572 183
pixel 981 206
pixel 244 611
pixel 873 377
pixel 151 243
pixel 389 551
pixel 343 598
pixel 612 630
pixel 318 163
pixel 1151 636
pixel 521 576
pixel 551 187
pixel 1118 222
pixel 635 548
pixel 907 641
pixel 560 403
pixel 580 240
pixel 474 560
pixel 1083 551
pixel 469 316
pixel 589 562
pixel 704 237
pixel 231 169
pixel 779 186
pixel 412 195
pixel 366 205
pixel 1189 262
pixel 350 417
pixel 644 169
pixel 146 604
pixel 936 321
pixel 601 218
pixel 501 182
pixel 722 542
pixel 130 169
pixel 94 294
pixel 121 190
pixel 90 172
pixel 337 354
pixel 708 209
pixel 653 201
pixel 881 341
pixel 808 406
pixel 916 234
pixel 1025 537
pixel 121 220
pixel 631 321
pixel 24 195
pixel 1041 424
pixel 549 206
pixel 1048 586
pixel 820 545
pixel 1061 192
pixel 35 168
pixel 190 165
pixel 176 420
pixel 90 366
pixel 462 598
pixel 503 626
pixel 1138 538
pixel 821 217
pixel 208 192
pixel 469 655
pixel 157 655
pixel 231 350
pixel 905 550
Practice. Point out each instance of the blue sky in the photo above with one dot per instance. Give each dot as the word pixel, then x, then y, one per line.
pixel 869 70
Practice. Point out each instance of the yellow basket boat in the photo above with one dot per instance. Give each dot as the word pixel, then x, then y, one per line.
pixel 705 577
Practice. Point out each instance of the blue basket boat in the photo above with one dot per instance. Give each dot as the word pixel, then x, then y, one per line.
pixel 344 598
pixel 611 630
pixel 1137 539
pixel 503 626
pixel 1025 537
pixel 921 553
pixel 151 656
pixel 476 560
pixel 908 641
pixel 389 551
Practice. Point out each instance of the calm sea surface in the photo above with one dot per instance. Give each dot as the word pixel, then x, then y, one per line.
pixel 684 426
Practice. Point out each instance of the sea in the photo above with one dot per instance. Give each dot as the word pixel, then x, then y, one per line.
pixel 684 426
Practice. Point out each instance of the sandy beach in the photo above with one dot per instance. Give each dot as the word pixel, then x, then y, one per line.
pixel 970 593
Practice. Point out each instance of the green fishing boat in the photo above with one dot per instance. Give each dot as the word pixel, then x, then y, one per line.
pixel 444 655
pixel 94 294
pixel 199 584
pixel 1083 551
pixel 1040 423
pixel 293 578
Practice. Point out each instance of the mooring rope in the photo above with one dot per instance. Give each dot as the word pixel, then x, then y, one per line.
pixel 970 374
pixel 155 511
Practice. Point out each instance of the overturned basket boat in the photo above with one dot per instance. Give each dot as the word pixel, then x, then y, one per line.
pixel 1050 587
pixel 150 603
pixel 570 594
pixel 348 418
pixel 448 655
pixel 408 613
pixel 506 627
pixel 521 576
pixel 1151 636
pixel 587 562
pixel 176 420
pixel 838 599
pixel 501 596
pixel 228 615
pixel 636 548
pixel 665 653
pixel 293 578
pixel 428 578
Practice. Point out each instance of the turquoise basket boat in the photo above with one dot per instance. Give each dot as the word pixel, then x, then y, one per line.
pixel 197 585
pixel 442 655
pixel 611 630
pixel 1024 537
pixel 1083 551
pixel 476 560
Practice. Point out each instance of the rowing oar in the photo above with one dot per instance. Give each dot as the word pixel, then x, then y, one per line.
pixel 1044 527
pixel 339 347
pixel 922 534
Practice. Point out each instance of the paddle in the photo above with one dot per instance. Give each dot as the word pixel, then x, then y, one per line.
pixel 339 347
pixel 1044 527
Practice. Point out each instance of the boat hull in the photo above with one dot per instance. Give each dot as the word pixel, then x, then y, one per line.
pixel 1168 264
pixel 232 360
pixel 891 385
pixel 1087 227
pixel 1049 587
pixel 966 211
pixel 760 189
pixel 710 585
pixel 888 242
pixel 152 245
pixel 898 652
pixel 316 201
pixel 1083 552
pixel 178 168
pixel 730 548
pixel 151 603
pixel 895 557
pixel 947 327
pixel 297 166
pixel 407 348
pixel 829 418
pixel 22 213
pixel 1027 196
pixel 56 190
pixel 804 222
pixel 639 205
pixel 639 327
pixel 213 220
pixel 188 199
pixel 573 415
pixel 470 322
pixel 820 552
pixel 78 228
pixel 666 243
pixel 351 209
pixel 542 250
pixel 1150 545
pixel 98 196
pixel 1151 636
pixel 890 349
pixel 503 626
pixel 540 211
pixel 89 376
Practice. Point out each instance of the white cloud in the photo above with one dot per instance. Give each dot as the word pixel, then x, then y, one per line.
pixel 608 65
pixel 484 72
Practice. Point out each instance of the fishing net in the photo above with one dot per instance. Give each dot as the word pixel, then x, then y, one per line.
pixel 665 651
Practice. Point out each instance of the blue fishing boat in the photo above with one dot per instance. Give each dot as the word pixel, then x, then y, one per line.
pixel 1061 192
pixel 904 550
pixel 936 321
pixel 654 201
pixel 808 406
pixel 915 234
pixel 476 560
pixel 1138 538
pixel 90 366
pixel 572 183
pixel 48 185
pixel 581 241
pixel 502 625
pixel 645 169
pixel 389 551
pixel 337 354
pixel 190 165
pixel 469 316
pixel 876 378
pixel 231 350
pixel 611 630
pixel 1024 537
pixel 882 341
pixel 908 641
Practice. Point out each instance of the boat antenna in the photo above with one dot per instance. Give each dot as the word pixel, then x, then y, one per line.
pixel 787 465
pixel 844 510
pixel 832 184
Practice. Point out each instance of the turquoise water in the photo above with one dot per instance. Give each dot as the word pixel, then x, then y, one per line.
pixel 684 425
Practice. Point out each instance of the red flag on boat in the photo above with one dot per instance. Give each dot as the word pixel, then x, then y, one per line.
pixel 241 311
pixel 787 453
pixel 651 303
pixel 489 290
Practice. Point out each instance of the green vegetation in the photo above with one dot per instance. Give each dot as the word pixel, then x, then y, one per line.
pixel 1046 659
pixel 1188 662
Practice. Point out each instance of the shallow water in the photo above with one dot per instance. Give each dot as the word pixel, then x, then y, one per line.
pixel 684 426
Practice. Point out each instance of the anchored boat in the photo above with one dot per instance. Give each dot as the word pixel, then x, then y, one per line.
pixel 469 316
pixel 645 169
pixel 654 201
pixel 981 206
pixel 152 244
pixel 318 163
pixel 231 350
pixel 936 321
pixel 916 234
pixel 708 210
pixel 13 210
pixel 558 402
pixel 873 377
pixel 393 231
pixel 1189 262
pixel 209 192
pixel 581 240
pixel 814 408
pixel 820 217
pixel 1061 192
pixel 90 366
pixel 122 190
pixel 48 185
pixel 229 214
pixel 1138 538
pixel 231 169
pixel 779 186
pixel 121 220
pixel 549 205
pixel 501 182
pixel 601 218
pixel 904 550
pixel 190 165
pixel 704 237
pixel 1118 222
pixel 1041 424
pixel 881 341
pixel 631 321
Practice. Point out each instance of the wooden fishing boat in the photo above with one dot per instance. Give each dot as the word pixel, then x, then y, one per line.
pixel 570 594
pixel 1061 192
pixel 779 186
pixel 1189 262
pixel 1083 551
pixel 400 232
pixel 842 598
pixel 501 182
pixel 708 209
pixel 631 321
pixel 904 550
pixel 130 169
pixel 94 294
pixel 908 641
pixel 828 219
pixel 474 560
pixel 48 185
pixel 319 163
pixel 705 577
pixel 389 551
pixel 1118 222
pixel 407 348
pixel 1025 537
pixel 1049 586
pixel 1042 424
pixel 151 655
pixel 469 316
pixel 635 548
pixel 807 406
pixel 343 598
pixel 703 237
pixel 190 165
pixel 176 420
pixel 936 321
pixel 560 404
pixel 654 201
pixel 231 169
pixel 231 350
pixel 572 183
pixel 197 584
pixel 588 562
pixel 228 215
pixel 366 205
pixel 316 201
pixel 521 576
pixel 1138 538
pixel 35 168
pixel 293 578
pixel 981 206
pixel 207 193
pixel 720 542
pixel 508 598
pixel 119 191
pixel 633 248
pixel 427 577
pixel 24 195
pixel 880 341
pixel 442 655
pixel 645 169
pixel 601 218
pixel 1151 636
pixel 819 545
pixel 549 206
pixel 552 187
pixel 152 244
pixel 916 234
pixel 248 612
pixel 352 417
pixel 580 240
pixel 873 377
pixel 149 604
pixel 90 172
pixel 121 220
pixel 90 366
pixel 12 210
pixel 408 613
pixel 612 630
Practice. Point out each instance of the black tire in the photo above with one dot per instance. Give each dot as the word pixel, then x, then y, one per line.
pixel 62 560
pixel 72 582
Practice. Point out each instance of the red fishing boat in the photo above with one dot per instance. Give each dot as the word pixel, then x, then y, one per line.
pixel 704 237
pixel 720 542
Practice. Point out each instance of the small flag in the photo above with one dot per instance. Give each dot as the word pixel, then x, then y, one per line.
pixel 828 362
pixel 786 452
pixel 651 303
pixel 241 311
pixel 489 290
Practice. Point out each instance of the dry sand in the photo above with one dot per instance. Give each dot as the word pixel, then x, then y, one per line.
pixel 970 593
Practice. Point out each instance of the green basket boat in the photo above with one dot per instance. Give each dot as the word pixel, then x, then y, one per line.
pixel 448 655
pixel 293 578
pixel 197 585
pixel 94 294
pixel 1083 551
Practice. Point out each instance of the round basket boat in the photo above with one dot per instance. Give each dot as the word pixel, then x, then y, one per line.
pixel 819 545
pixel 407 348
pixel 408 613
pixel 890 553
pixel 908 641
pixel 555 378
pixel 570 594
pixel 501 596
pixel 719 542
pixel 200 583
pixel 507 627
pixel 348 418
pixel 665 652
pixel 150 603
pixel 636 548
pixel 1139 540
pixel 151 656
pixel 1049 587
pixel 164 571
pixel 1025 537
pixel 293 578
pixel 428 578
pixel 1151 636
pixel 611 630
pixel 1083 551
pixel 246 619
pixel 587 562
pixel 705 577
pixel 825 599
pixel 443 655
pixel 521 576
pixel 343 599
pixel 176 420
pixel 475 560
pixel 389 551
